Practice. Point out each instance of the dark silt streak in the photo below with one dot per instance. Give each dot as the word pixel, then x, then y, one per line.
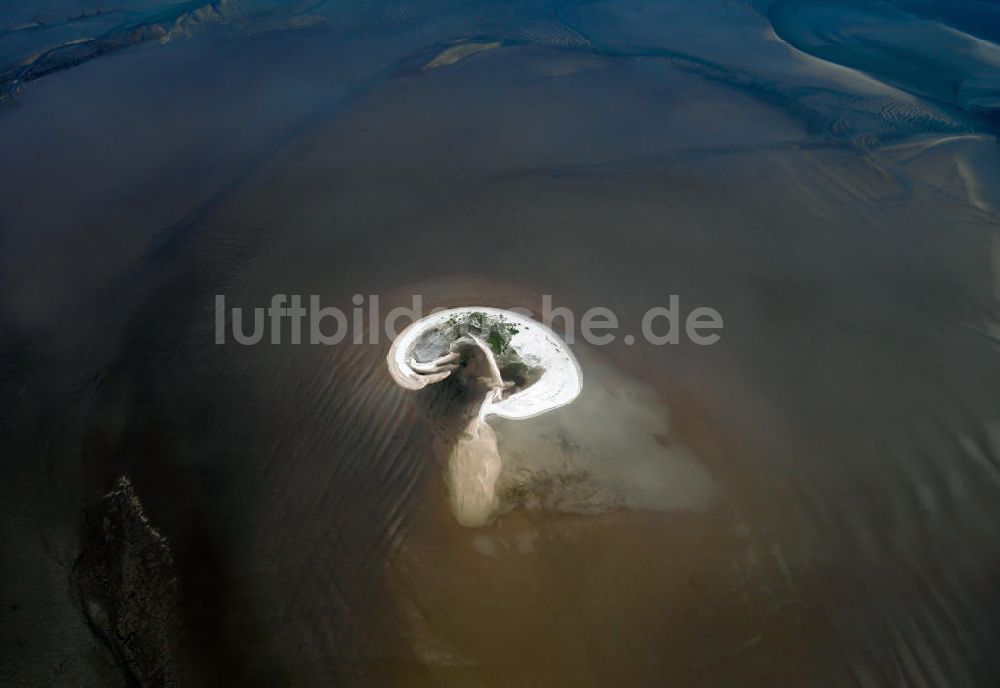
pixel 243 501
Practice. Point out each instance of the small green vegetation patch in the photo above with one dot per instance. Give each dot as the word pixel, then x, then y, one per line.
pixel 495 330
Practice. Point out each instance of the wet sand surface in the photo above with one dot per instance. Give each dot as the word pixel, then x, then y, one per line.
pixel 810 501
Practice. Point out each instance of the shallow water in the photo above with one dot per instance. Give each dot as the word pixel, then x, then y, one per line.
pixel 810 501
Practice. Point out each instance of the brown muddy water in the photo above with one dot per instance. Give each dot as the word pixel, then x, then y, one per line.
pixel 811 501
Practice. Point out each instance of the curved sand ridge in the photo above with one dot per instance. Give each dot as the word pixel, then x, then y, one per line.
pixel 427 352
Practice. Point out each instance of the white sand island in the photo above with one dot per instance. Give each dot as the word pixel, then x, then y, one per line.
pixel 526 367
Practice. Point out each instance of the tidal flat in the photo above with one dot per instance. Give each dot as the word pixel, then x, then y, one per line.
pixel 811 501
